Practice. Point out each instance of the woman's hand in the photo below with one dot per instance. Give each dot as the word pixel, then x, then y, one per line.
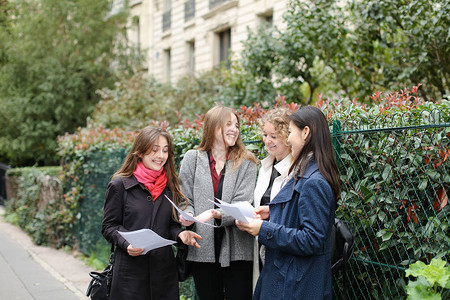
pixel 205 216
pixel 185 222
pixel 252 227
pixel 261 212
pixel 189 238
pixel 134 251
pixel 216 214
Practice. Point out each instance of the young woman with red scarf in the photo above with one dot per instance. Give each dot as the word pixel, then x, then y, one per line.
pixel 147 175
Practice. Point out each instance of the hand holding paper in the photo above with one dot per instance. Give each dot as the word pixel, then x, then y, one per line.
pixel 242 211
pixel 146 239
pixel 201 218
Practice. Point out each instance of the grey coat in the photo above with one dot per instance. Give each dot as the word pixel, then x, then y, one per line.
pixel 238 185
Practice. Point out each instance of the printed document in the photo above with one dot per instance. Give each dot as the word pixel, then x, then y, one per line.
pixel 241 211
pixel 186 216
pixel 146 239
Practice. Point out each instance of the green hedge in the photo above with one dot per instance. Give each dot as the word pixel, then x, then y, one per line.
pixel 38 206
pixel 394 182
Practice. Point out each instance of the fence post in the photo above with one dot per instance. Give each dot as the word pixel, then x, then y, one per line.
pixel 336 140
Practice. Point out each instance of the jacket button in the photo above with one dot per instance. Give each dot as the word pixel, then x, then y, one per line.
pixel 283 205
pixel 149 198
pixel 269 234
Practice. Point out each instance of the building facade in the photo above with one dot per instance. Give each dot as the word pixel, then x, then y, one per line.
pixel 180 37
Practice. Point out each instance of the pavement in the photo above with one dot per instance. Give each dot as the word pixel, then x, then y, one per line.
pixel 29 271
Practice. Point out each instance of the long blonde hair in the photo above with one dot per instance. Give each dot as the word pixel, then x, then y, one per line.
pixel 142 144
pixel 215 118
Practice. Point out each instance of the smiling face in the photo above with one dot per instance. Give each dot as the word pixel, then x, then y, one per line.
pixel 274 142
pixel 297 138
pixel 157 155
pixel 229 133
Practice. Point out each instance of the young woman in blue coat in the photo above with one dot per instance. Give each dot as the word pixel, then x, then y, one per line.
pixel 297 237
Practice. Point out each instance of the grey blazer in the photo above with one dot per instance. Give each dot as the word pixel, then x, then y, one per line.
pixel 238 185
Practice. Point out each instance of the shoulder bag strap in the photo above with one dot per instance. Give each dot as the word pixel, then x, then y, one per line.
pixel 111 255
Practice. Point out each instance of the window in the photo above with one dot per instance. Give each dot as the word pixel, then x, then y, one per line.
pixel 137 31
pixel 224 47
pixel 266 19
pixel 167 65
pixel 215 3
pixel 190 57
pixel 167 15
pixel 189 10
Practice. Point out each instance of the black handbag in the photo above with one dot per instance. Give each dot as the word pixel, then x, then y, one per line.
pixel 100 285
pixel 183 266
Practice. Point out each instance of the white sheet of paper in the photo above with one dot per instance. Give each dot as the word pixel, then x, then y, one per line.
pixel 186 216
pixel 146 239
pixel 241 211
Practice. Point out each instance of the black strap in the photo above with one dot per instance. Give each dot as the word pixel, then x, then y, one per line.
pixel 124 199
pixel 220 231
pixel 220 185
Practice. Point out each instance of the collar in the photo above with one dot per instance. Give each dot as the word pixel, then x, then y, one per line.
pixel 211 157
pixel 311 168
pixel 282 166
pixel 129 182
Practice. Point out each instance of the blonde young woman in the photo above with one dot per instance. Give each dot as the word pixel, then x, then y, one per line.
pixel 274 168
pixel 146 176
pixel 220 168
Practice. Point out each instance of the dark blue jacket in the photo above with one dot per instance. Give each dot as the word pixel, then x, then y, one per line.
pixel 298 258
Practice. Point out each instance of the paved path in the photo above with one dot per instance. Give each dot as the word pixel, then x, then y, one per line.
pixel 28 271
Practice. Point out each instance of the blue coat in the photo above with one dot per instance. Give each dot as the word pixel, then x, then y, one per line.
pixel 297 237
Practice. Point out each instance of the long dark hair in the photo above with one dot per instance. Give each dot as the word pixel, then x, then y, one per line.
pixel 319 143
pixel 143 144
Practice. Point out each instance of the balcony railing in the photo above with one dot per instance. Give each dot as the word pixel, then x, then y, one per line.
pixel 166 23
pixel 214 3
pixel 189 10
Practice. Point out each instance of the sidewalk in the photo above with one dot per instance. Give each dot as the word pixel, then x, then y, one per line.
pixel 31 272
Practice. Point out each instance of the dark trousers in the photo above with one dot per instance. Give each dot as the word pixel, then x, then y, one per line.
pixel 213 282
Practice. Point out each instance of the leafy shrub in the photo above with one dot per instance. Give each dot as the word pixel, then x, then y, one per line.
pixel 393 161
pixel 394 181
pixel 38 207
pixel 432 280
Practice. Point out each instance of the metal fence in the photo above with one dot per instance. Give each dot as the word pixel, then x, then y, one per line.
pixel 395 179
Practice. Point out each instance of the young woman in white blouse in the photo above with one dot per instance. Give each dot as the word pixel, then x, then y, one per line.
pixel 274 169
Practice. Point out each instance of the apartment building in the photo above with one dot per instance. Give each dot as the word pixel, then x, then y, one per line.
pixel 181 37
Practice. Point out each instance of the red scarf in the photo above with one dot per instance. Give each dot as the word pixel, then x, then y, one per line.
pixel 154 181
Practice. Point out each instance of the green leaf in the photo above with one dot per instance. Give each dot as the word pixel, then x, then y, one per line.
pixel 415 269
pixel 387 173
pixel 423 184
pixel 387 236
pixel 420 290
pixel 366 193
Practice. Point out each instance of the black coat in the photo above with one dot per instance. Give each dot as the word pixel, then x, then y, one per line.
pixel 151 276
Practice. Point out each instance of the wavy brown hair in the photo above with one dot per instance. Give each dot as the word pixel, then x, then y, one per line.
pixel 217 117
pixel 142 145
pixel 319 143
